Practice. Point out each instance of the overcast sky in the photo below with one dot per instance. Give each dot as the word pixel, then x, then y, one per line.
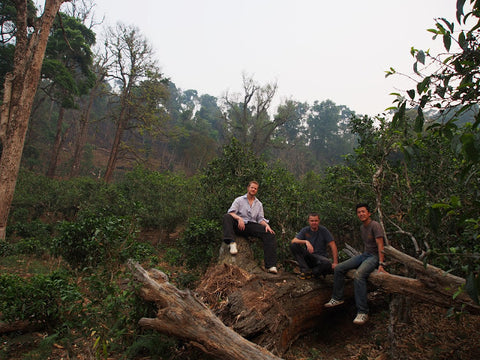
pixel 313 49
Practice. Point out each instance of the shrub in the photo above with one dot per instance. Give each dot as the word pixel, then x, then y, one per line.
pixel 47 299
pixel 94 239
pixel 199 242
pixel 162 200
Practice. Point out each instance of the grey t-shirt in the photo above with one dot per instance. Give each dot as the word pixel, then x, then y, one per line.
pixel 319 239
pixel 369 233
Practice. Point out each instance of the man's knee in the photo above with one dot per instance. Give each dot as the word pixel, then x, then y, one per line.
pixel 323 268
pixel 295 248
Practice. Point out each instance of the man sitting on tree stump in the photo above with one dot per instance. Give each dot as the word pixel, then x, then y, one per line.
pixel 365 263
pixel 309 247
pixel 245 218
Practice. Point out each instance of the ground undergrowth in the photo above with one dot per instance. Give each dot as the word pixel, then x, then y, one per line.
pixel 428 334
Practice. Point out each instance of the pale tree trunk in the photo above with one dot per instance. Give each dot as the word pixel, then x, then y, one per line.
pixel 182 314
pixel 52 168
pixel 81 139
pixel 82 135
pixel 85 117
pixel 19 91
pixel 112 160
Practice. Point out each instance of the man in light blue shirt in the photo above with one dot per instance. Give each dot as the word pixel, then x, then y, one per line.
pixel 245 218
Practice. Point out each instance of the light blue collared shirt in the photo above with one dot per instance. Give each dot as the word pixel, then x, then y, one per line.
pixel 242 208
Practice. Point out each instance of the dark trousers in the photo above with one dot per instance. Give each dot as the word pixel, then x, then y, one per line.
pixel 230 229
pixel 317 264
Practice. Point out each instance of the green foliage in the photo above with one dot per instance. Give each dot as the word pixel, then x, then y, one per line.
pixel 231 172
pixel 157 346
pixel 162 200
pixel 37 196
pixel 200 242
pixel 173 256
pixel 94 239
pixel 68 59
pixel 46 299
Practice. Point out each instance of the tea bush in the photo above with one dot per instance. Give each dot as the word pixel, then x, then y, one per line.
pixel 94 240
pixel 46 299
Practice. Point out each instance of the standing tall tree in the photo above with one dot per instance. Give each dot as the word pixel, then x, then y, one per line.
pixel 67 69
pixel 248 119
pixel 134 71
pixel 19 88
pixel 86 104
pixel 326 128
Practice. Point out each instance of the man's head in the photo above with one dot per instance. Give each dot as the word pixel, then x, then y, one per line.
pixel 252 188
pixel 314 221
pixel 363 212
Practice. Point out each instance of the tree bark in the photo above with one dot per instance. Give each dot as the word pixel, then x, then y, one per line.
pixel 274 310
pixel 19 91
pixel 52 167
pixel 112 160
pixel 181 314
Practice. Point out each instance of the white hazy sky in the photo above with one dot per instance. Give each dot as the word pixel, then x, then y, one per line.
pixel 313 49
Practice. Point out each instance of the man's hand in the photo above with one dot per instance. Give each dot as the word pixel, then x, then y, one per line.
pixel 269 229
pixel 241 224
pixel 381 269
pixel 309 247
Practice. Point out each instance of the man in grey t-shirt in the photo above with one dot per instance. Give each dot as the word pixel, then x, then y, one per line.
pixel 309 247
pixel 365 263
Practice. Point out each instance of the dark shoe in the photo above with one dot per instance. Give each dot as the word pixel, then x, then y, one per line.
pixel 305 275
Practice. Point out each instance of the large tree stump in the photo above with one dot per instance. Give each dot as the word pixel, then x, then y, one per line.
pixel 270 310
pixel 274 310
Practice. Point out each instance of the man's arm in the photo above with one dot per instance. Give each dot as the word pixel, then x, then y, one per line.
pixel 267 227
pixel 304 242
pixel 241 223
pixel 381 255
pixel 333 247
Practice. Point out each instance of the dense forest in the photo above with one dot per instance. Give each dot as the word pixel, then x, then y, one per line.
pixel 113 162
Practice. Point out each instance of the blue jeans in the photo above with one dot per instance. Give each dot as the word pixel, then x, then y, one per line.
pixel 365 265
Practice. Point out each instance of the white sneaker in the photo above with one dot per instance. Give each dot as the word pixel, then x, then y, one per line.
pixel 333 303
pixel 361 319
pixel 272 270
pixel 233 248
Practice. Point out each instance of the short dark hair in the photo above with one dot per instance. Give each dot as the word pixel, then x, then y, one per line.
pixel 365 205
pixel 313 214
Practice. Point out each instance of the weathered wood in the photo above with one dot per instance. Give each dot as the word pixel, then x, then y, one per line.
pixel 430 285
pixel 19 325
pixel 181 314
pixel 272 311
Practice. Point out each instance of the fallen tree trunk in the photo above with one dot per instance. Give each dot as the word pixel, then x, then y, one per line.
pixel 274 310
pixel 430 284
pixel 181 314
pixel 20 326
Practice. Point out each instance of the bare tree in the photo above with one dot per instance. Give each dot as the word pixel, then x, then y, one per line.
pixel 248 119
pixel 19 91
pixel 100 69
pixel 132 63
